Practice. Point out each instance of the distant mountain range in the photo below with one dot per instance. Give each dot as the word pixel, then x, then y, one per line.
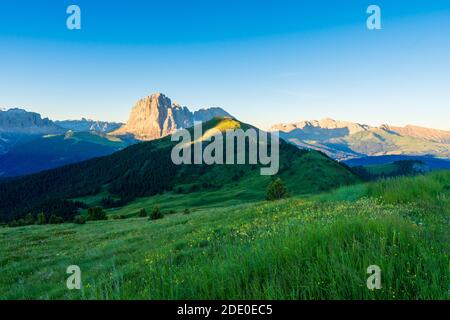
pixel 29 143
pixel 87 125
pixel 343 140
pixel 52 151
pixel 18 127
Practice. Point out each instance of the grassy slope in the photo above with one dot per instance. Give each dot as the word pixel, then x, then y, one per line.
pixel 313 173
pixel 312 247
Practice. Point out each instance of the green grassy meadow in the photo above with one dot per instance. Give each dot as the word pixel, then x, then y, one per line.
pixel 304 247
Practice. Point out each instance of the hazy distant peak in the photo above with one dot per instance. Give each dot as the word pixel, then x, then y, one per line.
pixel 17 120
pixel 345 139
pixel 326 123
pixel 15 110
pixel 353 127
pixel 88 125
pixel 436 135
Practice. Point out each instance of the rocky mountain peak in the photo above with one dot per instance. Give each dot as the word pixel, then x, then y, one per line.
pixel 156 116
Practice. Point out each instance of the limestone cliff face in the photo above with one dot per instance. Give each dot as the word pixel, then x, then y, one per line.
pixel 19 121
pixel 156 116
pixel 19 126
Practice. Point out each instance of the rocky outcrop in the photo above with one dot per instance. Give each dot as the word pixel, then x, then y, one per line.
pixel 87 125
pixel 157 116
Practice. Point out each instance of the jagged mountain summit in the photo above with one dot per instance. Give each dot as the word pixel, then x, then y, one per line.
pixel 157 116
pixel 344 140
pixel 88 125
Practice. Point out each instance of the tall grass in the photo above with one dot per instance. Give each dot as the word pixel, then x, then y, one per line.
pixel 409 189
pixel 300 248
pixel 306 262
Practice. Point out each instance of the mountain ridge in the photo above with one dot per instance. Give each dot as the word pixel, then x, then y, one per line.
pixel 88 125
pixel 145 170
pixel 343 140
pixel 17 120
pixel 52 151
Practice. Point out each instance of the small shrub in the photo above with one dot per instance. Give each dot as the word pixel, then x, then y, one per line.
pixel 79 220
pixel 156 213
pixel 41 218
pixel 142 213
pixel 55 219
pixel 276 190
pixel 13 224
pixel 186 211
pixel 29 219
pixel 194 188
pixel 96 213
pixel 179 190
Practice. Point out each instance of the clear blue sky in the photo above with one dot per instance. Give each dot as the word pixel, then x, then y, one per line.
pixel 263 61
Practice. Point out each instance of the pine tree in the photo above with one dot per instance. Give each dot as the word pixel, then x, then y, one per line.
pixel 142 213
pixel 96 213
pixel 29 219
pixel 156 213
pixel 41 218
pixel 276 190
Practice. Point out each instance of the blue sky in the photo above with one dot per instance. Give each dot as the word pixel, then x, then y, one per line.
pixel 263 61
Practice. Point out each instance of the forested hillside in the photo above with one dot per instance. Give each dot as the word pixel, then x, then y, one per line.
pixel 146 169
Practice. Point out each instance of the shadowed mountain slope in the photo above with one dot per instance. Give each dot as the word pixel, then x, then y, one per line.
pixel 146 169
